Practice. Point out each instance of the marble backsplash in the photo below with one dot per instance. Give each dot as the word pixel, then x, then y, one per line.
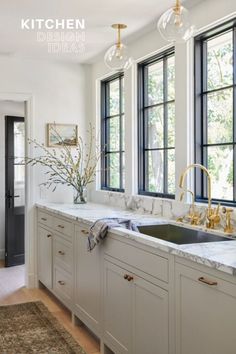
pixel 167 208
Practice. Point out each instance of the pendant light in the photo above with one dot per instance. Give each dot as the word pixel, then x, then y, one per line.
pixel 174 25
pixel 117 57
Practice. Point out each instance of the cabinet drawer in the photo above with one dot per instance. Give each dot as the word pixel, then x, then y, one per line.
pixel 45 218
pixel 63 226
pixel 62 285
pixel 146 262
pixel 62 252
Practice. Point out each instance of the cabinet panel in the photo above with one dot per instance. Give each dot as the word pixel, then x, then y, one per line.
pixel 87 282
pixel 117 308
pixel 147 262
pixel 45 256
pixel 206 314
pixel 45 218
pixel 62 252
pixel 150 312
pixel 62 285
pixel 64 227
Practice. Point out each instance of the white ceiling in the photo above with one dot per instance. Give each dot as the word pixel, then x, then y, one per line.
pixel 139 15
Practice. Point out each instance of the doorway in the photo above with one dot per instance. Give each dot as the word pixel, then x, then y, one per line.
pixel 12 193
pixel 14 190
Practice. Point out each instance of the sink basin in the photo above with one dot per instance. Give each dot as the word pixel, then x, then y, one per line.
pixel 179 235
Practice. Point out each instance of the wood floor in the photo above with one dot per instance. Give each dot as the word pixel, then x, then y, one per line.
pixel 12 291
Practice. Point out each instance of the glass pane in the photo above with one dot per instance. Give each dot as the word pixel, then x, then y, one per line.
pixel 220 117
pixel 19 167
pixel 113 132
pixel 154 84
pixel 114 170
pixel 19 185
pixel 154 171
pixel 154 134
pixel 171 171
pixel 171 78
pixel 220 61
pixel 220 165
pixel 19 141
pixel 123 95
pixel 123 133
pixel 114 98
pixel 171 124
pixel 123 169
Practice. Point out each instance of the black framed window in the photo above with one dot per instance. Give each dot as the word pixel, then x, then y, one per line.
pixel 156 106
pixel 113 145
pixel 215 112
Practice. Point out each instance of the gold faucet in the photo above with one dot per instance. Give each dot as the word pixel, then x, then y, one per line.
pixel 212 214
pixel 228 226
pixel 193 215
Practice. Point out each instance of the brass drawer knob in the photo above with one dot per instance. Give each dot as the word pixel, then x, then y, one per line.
pixel 61 282
pixel 207 281
pixel 61 226
pixel 85 232
pixel 130 278
pixel 126 276
pixel 44 219
pixel 49 235
pixel 62 253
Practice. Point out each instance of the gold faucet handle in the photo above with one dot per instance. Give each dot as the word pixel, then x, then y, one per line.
pixel 228 227
pixel 227 210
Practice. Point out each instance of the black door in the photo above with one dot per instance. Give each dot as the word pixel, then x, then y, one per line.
pixel 15 191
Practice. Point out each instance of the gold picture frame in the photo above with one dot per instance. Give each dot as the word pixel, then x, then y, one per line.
pixel 68 133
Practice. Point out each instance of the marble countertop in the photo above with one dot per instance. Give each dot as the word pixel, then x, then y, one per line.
pixel 217 255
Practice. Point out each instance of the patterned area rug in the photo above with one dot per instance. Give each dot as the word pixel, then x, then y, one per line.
pixel 31 328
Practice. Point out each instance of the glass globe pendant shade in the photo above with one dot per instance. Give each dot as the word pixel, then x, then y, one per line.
pixel 117 58
pixel 174 25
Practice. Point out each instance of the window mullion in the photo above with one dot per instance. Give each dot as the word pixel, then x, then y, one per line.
pixel 165 123
pixel 234 112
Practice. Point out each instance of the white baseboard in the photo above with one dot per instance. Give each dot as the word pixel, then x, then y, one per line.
pixel 2 254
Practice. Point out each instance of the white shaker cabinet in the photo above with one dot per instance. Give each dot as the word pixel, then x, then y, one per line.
pixel 205 313
pixel 135 313
pixel 87 281
pixel 45 256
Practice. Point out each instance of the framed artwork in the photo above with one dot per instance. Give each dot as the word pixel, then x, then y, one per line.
pixel 58 133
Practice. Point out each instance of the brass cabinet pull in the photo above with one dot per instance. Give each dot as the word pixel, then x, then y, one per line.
pixel 61 282
pixel 85 232
pixel 128 277
pixel 61 253
pixel 207 281
pixel 44 219
pixel 61 226
pixel 49 235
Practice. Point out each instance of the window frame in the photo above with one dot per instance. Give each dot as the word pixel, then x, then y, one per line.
pixel 142 107
pixel 104 133
pixel 200 78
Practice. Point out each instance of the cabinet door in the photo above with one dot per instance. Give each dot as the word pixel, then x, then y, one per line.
pixel 150 314
pixel 87 282
pixel 117 309
pixel 45 257
pixel 206 314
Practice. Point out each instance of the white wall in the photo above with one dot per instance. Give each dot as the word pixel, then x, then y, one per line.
pixel 204 14
pixel 13 109
pixel 59 95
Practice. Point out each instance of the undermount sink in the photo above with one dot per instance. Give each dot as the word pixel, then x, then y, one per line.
pixel 180 235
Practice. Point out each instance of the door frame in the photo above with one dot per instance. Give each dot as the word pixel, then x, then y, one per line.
pixel 30 228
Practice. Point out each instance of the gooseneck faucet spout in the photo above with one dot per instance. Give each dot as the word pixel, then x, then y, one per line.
pixel 203 168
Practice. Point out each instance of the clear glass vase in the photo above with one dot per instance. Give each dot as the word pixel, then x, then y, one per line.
pixel 80 195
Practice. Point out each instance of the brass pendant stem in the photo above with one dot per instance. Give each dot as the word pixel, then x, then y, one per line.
pixel 118 38
pixel 177 7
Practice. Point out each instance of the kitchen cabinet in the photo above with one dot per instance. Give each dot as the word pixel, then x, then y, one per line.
pixel 205 312
pixel 87 281
pixel 45 256
pixel 135 313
